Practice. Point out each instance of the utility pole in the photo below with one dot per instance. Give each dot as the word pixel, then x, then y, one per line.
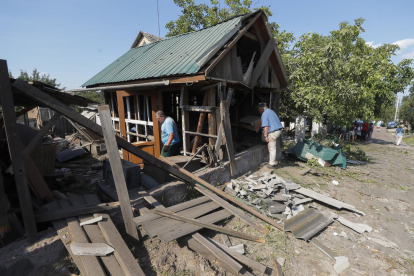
pixel 396 110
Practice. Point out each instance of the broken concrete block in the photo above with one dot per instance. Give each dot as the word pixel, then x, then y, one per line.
pixel 275 208
pixel 385 243
pixel 342 263
pixel 343 234
pixel 279 198
pixel 358 227
pixel 91 249
pixel 259 187
pixel 281 261
pixel 243 192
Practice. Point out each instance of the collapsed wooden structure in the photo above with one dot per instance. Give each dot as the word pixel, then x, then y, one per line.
pixel 243 61
pixel 200 79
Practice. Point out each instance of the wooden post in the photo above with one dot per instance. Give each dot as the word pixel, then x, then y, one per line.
pixel 122 125
pixel 225 121
pixel 185 118
pixel 117 172
pixel 15 149
pixel 212 124
pixel 197 139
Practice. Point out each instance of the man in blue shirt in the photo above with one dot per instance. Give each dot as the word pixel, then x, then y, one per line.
pixel 169 135
pixel 272 130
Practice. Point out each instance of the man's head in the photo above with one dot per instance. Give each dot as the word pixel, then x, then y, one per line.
pixel 262 107
pixel 160 116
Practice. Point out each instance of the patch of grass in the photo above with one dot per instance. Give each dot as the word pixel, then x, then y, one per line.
pixel 313 163
pixel 401 188
pixel 409 141
pixel 355 153
pixel 390 220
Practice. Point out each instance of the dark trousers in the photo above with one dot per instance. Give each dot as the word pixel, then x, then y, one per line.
pixel 364 135
pixel 173 150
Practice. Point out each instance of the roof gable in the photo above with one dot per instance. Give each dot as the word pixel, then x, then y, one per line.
pixel 144 38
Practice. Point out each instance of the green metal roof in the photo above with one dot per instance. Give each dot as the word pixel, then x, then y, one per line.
pixel 171 56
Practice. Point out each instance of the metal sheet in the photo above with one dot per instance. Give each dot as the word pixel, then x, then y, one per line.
pixel 306 224
pixel 171 56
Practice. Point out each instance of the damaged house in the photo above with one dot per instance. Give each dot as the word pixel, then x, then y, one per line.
pixel 199 79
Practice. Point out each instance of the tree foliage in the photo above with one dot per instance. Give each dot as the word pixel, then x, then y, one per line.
pixel 92 95
pixel 336 74
pixel 406 112
pixel 37 76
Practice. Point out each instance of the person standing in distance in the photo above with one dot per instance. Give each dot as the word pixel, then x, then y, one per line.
pixel 169 135
pixel 272 130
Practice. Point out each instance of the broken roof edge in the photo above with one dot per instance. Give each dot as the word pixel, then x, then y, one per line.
pixel 173 79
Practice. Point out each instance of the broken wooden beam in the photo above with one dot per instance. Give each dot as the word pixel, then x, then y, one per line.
pixel 117 172
pixel 264 58
pixel 42 216
pixel 208 226
pixel 197 139
pixel 15 150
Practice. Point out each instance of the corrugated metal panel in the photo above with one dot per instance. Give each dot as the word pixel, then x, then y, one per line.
pixel 175 55
pixel 307 223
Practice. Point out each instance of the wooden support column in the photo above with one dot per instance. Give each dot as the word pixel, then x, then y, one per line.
pixel 117 172
pixel 212 124
pixel 225 121
pixel 185 118
pixel 15 149
pixel 197 139
pixel 262 62
pixel 122 126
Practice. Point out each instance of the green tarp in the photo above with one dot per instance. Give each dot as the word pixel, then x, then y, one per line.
pixel 335 157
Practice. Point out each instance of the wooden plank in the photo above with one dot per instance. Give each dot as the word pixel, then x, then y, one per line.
pixel 232 43
pixel 212 124
pixel 218 253
pixel 186 229
pixel 204 190
pixel 163 225
pixel 95 235
pixel 61 227
pixel 148 198
pixel 122 252
pixel 250 35
pixel 163 163
pixel 262 62
pixel 225 122
pixel 91 263
pixel 42 216
pixel 207 225
pixel 197 139
pixel 36 181
pixel 156 125
pixel 15 150
pixel 243 259
pixel 182 206
pixel 196 108
pixel 201 134
pixel 117 171
pixel 203 251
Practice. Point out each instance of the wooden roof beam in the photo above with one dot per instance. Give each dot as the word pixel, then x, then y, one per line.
pixel 250 35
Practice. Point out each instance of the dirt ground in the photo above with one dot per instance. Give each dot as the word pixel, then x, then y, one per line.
pixel 385 195
pixel 381 188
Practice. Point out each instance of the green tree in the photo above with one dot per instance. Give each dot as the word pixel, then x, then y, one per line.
pixel 92 95
pixel 338 74
pixel 37 76
pixel 406 112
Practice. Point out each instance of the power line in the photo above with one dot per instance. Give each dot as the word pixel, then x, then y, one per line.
pixel 158 11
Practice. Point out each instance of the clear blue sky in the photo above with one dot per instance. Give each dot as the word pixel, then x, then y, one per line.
pixel 74 40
